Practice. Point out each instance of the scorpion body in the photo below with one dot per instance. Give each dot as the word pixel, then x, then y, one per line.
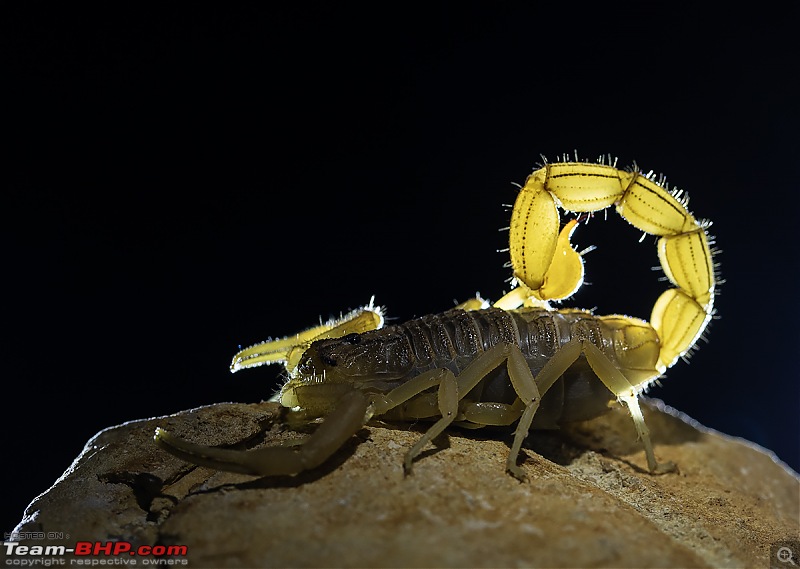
pixel 454 339
pixel 517 362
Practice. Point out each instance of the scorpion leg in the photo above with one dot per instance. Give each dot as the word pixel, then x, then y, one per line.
pixel 527 390
pixel 409 392
pixel 450 393
pixel 611 377
pixel 625 392
pixel 448 406
pixel 345 420
pixel 453 388
pixel 482 413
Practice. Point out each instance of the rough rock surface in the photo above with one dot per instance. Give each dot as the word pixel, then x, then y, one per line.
pixel 588 501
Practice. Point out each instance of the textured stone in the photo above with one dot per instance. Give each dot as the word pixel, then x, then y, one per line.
pixel 588 501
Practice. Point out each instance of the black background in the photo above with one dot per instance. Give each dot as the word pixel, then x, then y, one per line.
pixel 184 180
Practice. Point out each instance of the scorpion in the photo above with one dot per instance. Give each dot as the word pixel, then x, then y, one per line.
pixel 517 361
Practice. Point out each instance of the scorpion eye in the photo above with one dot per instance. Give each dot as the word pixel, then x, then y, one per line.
pixel 354 338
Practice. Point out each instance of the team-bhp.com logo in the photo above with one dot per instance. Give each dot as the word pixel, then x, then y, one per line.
pixel 94 553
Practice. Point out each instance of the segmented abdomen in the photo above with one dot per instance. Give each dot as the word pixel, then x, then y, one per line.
pixel 454 338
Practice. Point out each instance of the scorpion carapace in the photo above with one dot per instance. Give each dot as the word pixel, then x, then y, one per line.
pixel 518 361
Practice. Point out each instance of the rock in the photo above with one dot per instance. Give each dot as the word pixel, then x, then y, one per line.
pixel 588 501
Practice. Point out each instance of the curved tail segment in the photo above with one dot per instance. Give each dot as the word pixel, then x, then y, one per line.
pixel 546 267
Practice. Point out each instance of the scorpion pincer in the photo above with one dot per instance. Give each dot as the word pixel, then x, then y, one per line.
pixel 518 361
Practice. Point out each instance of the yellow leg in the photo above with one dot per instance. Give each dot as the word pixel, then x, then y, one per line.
pixel 482 413
pixel 527 390
pixel 448 407
pixel 611 377
pixel 625 392
pixel 452 389
pixel 409 393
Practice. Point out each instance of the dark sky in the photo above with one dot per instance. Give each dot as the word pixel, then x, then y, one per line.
pixel 190 179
